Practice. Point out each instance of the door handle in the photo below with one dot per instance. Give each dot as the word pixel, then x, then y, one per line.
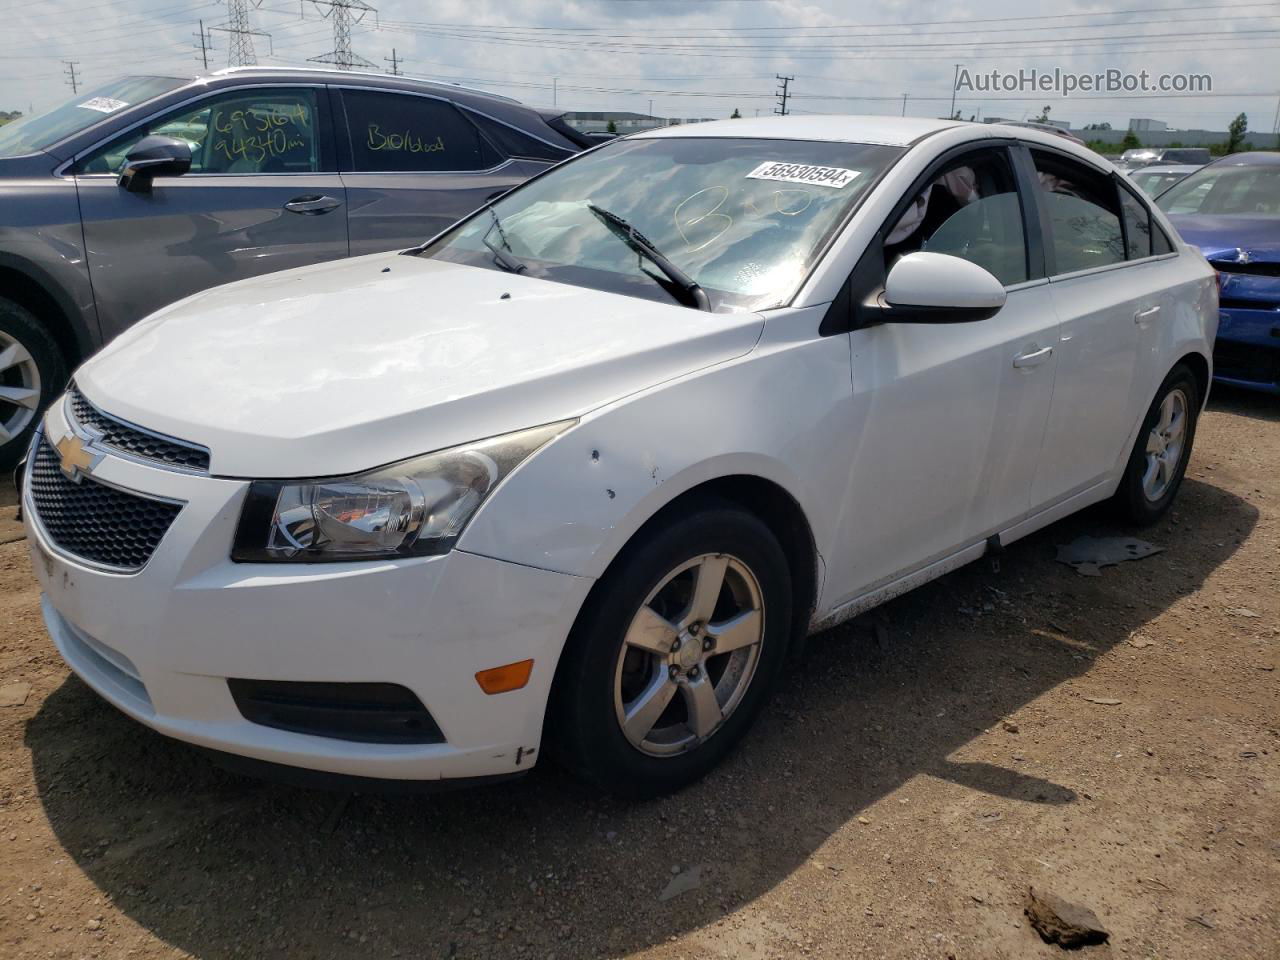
pixel 1144 315
pixel 312 205
pixel 1034 358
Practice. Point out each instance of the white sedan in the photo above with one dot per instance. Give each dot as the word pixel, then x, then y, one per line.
pixel 577 474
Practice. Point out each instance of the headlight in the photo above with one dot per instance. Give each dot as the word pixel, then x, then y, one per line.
pixel 411 508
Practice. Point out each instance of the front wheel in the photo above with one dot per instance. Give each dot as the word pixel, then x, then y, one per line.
pixel 1159 458
pixel 32 373
pixel 674 654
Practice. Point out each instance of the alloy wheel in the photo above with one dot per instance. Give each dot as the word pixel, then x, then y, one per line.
pixel 19 388
pixel 1164 445
pixel 689 654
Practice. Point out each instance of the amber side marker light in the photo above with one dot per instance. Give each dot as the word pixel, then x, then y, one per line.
pixel 506 678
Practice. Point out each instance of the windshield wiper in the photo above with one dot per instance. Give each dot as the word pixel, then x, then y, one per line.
pixel 506 260
pixel 686 288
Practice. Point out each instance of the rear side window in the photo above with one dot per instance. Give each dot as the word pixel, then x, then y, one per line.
pixel 257 131
pixel 517 143
pixel 1084 214
pixel 396 132
pixel 1137 226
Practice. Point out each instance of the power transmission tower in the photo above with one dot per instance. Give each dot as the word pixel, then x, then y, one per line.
pixel 72 79
pixel 344 13
pixel 783 94
pixel 395 63
pixel 240 51
pixel 206 44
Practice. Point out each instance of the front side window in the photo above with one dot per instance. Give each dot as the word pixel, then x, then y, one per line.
pixel 29 134
pixel 1226 190
pixel 260 131
pixel 1084 214
pixel 970 210
pixel 744 218
pixel 397 132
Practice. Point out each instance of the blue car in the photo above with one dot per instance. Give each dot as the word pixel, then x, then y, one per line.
pixel 1230 209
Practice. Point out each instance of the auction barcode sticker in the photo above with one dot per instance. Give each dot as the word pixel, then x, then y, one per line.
pixel 803 173
pixel 104 104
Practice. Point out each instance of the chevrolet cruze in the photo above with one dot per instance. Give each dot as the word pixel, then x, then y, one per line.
pixel 576 475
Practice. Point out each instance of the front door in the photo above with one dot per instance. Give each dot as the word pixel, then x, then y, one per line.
pixel 263 195
pixel 951 415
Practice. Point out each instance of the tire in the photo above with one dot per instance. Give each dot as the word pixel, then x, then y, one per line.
pixel 650 594
pixel 32 374
pixel 1154 471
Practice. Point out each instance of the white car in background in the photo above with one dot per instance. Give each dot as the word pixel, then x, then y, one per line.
pixel 580 471
pixel 1156 179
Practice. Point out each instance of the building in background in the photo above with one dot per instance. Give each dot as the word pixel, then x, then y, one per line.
pixel 1140 124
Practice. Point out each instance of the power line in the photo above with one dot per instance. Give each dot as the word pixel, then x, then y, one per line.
pixel 345 13
pixel 72 79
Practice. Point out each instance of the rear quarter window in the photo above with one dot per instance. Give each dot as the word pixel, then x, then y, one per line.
pixel 399 132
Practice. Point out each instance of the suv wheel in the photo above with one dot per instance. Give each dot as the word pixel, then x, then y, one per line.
pixel 674 654
pixel 32 373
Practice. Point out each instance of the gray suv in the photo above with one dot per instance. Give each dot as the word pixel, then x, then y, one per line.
pixel 149 189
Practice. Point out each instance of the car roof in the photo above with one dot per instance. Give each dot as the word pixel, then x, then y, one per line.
pixel 1250 158
pixel 332 74
pixel 891 131
pixel 1168 168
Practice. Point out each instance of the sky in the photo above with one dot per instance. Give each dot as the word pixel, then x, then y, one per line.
pixel 697 58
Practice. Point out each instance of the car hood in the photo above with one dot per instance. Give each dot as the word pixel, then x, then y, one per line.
pixel 1226 238
pixel 339 367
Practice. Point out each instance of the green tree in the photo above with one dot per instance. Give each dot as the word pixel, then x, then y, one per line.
pixel 735 115
pixel 1130 141
pixel 612 127
pixel 1236 132
pixel 1044 114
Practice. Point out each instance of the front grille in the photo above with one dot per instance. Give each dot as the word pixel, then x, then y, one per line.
pixel 93 521
pixel 361 712
pixel 1246 361
pixel 134 440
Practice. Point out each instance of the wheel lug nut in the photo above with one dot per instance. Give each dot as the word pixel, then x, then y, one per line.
pixel 675 645
pixel 673 671
pixel 708 643
pixel 693 673
pixel 694 628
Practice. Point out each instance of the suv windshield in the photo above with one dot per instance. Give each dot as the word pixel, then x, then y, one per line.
pixel 1252 188
pixel 29 134
pixel 745 219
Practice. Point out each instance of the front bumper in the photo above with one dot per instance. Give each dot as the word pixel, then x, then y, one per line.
pixel 1247 351
pixel 160 644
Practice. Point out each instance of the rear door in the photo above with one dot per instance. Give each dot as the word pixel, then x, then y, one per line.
pixel 415 164
pixel 263 195
pixel 1105 302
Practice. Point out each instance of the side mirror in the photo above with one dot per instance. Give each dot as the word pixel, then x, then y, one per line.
pixel 939 288
pixel 154 157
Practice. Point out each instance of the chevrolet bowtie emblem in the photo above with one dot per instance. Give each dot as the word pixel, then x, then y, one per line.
pixel 74 459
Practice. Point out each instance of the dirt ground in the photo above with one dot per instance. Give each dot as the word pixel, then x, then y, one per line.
pixel 923 767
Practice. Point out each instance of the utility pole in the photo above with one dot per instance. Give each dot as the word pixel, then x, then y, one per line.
pixel 555 89
pixel 345 13
pixel 954 80
pixel 395 68
pixel 783 94
pixel 240 51
pixel 206 44
pixel 72 79
pixel 904 104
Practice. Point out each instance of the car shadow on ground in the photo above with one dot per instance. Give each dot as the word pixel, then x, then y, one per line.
pixel 1245 403
pixel 218 865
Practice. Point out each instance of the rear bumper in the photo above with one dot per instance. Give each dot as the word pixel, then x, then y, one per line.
pixel 1247 351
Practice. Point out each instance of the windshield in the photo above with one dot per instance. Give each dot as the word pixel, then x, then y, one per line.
pixel 1226 190
pixel 1156 183
pixel 29 134
pixel 743 219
